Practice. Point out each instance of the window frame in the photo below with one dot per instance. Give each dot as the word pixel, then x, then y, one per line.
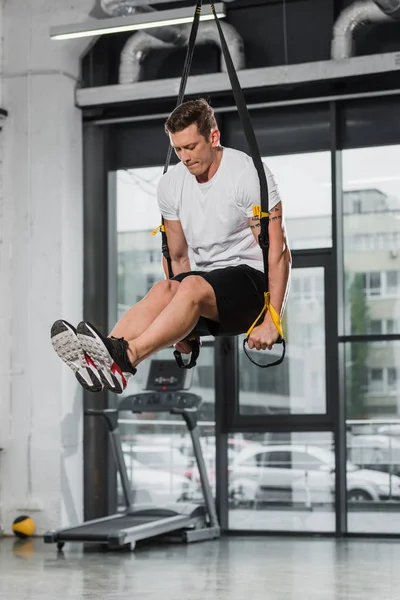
pixel 102 150
pixel 236 421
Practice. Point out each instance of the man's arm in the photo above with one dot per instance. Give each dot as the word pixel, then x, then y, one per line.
pixel 178 248
pixel 178 251
pixel 279 262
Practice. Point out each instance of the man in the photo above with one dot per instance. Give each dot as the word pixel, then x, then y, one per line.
pixel 206 201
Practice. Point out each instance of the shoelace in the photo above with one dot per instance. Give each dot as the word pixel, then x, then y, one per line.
pixel 121 347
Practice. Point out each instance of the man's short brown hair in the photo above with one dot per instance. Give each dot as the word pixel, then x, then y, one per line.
pixel 188 113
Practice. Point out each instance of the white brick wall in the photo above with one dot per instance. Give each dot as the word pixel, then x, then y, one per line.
pixel 41 245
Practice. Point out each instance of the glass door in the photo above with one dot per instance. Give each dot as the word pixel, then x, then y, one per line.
pixel 281 453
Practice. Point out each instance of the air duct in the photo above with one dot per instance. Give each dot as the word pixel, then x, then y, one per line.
pixel 356 15
pixel 140 43
pixel 134 52
pixel 118 8
pixel 208 33
pixel 390 7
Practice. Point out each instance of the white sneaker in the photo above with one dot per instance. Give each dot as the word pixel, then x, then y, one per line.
pixel 66 344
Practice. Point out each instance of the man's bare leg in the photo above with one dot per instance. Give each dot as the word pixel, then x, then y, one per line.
pixel 194 297
pixel 140 316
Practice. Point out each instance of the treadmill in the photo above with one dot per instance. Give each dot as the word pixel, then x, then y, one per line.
pixel 166 391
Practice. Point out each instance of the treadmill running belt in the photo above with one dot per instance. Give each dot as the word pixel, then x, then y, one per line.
pixel 100 531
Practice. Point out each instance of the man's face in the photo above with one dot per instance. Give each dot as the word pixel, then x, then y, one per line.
pixel 194 150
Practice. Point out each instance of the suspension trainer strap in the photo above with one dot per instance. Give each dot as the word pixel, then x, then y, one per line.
pixel 251 141
pixel 181 95
pixel 262 212
pixel 194 342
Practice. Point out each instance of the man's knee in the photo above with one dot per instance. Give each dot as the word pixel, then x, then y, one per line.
pixel 166 288
pixel 198 288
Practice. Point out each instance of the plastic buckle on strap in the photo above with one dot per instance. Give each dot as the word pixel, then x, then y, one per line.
pixel 258 213
pixel 157 229
pixel 195 346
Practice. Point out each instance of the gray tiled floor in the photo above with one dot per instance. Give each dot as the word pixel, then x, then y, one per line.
pixel 234 569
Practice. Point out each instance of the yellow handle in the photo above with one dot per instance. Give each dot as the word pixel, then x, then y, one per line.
pixel 274 316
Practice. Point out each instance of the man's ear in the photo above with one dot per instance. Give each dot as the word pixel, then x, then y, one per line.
pixel 215 137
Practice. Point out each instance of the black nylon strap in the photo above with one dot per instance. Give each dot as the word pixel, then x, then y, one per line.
pixel 181 95
pixel 252 143
pixel 195 344
pixel 256 156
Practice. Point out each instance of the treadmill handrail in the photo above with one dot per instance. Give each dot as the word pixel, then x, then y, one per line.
pixel 205 483
pixel 121 467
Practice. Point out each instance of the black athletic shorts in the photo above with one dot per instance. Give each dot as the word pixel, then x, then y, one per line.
pixel 240 297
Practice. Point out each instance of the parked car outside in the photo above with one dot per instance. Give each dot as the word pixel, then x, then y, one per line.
pixel 302 473
pixel 156 485
pixel 168 458
pixel 376 452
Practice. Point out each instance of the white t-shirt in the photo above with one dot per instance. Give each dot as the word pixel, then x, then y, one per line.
pixel 214 215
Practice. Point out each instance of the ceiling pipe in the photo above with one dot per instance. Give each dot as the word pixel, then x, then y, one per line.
pixel 141 43
pixel 354 17
pixel 390 7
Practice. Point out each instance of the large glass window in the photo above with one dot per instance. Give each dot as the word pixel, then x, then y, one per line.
pixel 373 442
pixel 297 386
pixel 304 181
pixel 282 481
pixel 139 252
pixel 371 225
pixel 157 447
pixel 373 380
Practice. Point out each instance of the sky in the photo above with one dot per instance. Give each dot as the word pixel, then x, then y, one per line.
pixel 304 181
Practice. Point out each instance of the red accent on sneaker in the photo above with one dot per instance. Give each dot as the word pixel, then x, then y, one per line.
pixel 89 361
pixel 116 369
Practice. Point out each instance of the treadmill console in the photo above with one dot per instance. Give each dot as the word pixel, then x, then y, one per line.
pixel 161 402
pixel 165 375
pixel 165 391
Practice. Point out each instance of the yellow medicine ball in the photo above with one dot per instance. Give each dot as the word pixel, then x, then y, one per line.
pixel 23 527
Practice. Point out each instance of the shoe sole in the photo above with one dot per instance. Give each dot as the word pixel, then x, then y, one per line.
pixel 110 373
pixel 68 348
